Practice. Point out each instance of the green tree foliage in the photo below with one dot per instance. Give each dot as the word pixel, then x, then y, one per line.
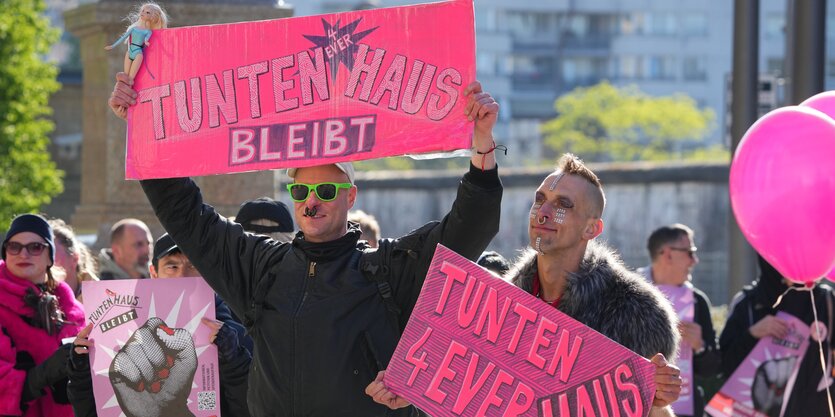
pixel 607 123
pixel 28 176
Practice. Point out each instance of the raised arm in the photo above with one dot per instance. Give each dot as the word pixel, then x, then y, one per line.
pixel 473 220
pixel 230 260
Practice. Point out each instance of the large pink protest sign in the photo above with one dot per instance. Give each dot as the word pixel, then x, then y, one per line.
pixel 303 91
pixel 761 384
pixel 478 346
pixel 684 304
pixel 151 356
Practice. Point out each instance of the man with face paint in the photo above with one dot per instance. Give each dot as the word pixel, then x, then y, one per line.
pixel 322 320
pixel 568 269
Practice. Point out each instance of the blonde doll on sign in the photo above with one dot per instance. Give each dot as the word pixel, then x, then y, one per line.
pixel 150 16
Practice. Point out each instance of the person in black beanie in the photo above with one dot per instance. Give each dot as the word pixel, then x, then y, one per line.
pixel 753 316
pixel 267 217
pixel 36 314
pixel 494 262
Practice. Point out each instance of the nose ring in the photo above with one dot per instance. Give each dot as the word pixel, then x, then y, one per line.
pixel 542 219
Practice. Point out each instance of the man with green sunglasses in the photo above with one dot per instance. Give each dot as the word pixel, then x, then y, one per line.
pixel 325 311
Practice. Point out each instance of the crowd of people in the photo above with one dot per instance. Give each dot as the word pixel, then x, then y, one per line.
pixel 309 313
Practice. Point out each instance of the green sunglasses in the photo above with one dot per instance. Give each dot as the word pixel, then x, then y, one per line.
pixel 325 191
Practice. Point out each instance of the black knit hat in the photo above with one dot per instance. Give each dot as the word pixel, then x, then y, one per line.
pixel 35 224
pixel 493 261
pixel 268 209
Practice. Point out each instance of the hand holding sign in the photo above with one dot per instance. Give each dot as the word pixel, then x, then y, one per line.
pixel 483 109
pixel 378 391
pixel 667 382
pixel 152 373
pixel 123 96
pixel 769 326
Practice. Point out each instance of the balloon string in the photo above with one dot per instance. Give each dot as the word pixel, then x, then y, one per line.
pixel 820 350
pixel 791 288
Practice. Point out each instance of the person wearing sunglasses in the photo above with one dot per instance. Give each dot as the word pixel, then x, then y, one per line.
pixel 36 313
pixel 673 255
pixel 322 328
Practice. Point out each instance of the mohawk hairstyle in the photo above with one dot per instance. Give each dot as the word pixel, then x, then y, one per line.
pixel 572 164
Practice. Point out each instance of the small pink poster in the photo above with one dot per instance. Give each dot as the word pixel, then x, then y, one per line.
pixel 684 304
pixel 303 91
pixel 478 346
pixel 761 384
pixel 151 356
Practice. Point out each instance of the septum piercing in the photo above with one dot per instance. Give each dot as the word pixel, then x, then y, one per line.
pixel 542 219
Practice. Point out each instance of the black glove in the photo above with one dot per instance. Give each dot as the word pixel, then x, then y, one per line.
pixel 80 386
pixel 52 370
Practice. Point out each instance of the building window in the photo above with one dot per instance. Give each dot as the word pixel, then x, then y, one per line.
pixel 694 24
pixel 630 67
pixel 581 72
pixel 529 23
pixel 694 68
pixel 486 63
pixel 485 19
pixel 661 67
pixel 633 24
pixel 533 72
pixel 661 23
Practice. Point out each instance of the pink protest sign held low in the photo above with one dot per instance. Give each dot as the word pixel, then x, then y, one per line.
pixel 684 304
pixel 151 356
pixel 303 91
pixel 476 345
pixel 761 385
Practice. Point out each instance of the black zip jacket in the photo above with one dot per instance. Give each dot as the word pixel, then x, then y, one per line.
pixel 755 302
pixel 323 331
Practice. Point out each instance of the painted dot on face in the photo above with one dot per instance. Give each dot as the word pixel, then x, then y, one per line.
pixel 560 216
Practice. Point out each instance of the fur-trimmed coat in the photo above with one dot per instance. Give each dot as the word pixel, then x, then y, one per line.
pixel 23 346
pixel 612 300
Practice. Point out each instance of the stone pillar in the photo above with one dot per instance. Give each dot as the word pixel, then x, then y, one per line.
pixel 106 196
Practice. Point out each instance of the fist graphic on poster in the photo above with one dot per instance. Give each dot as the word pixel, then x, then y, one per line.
pixel 769 385
pixel 153 372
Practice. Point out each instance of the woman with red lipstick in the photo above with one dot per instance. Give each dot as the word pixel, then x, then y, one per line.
pixel 36 313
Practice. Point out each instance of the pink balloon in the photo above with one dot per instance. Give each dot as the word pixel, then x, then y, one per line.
pixel 823 102
pixel 782 188
pixel 831 275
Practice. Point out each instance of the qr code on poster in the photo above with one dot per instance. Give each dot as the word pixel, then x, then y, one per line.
pixel 206 400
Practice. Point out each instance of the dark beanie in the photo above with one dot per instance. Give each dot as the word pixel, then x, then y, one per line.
pixel 494 261
pixel 268 209
pixel 35 224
